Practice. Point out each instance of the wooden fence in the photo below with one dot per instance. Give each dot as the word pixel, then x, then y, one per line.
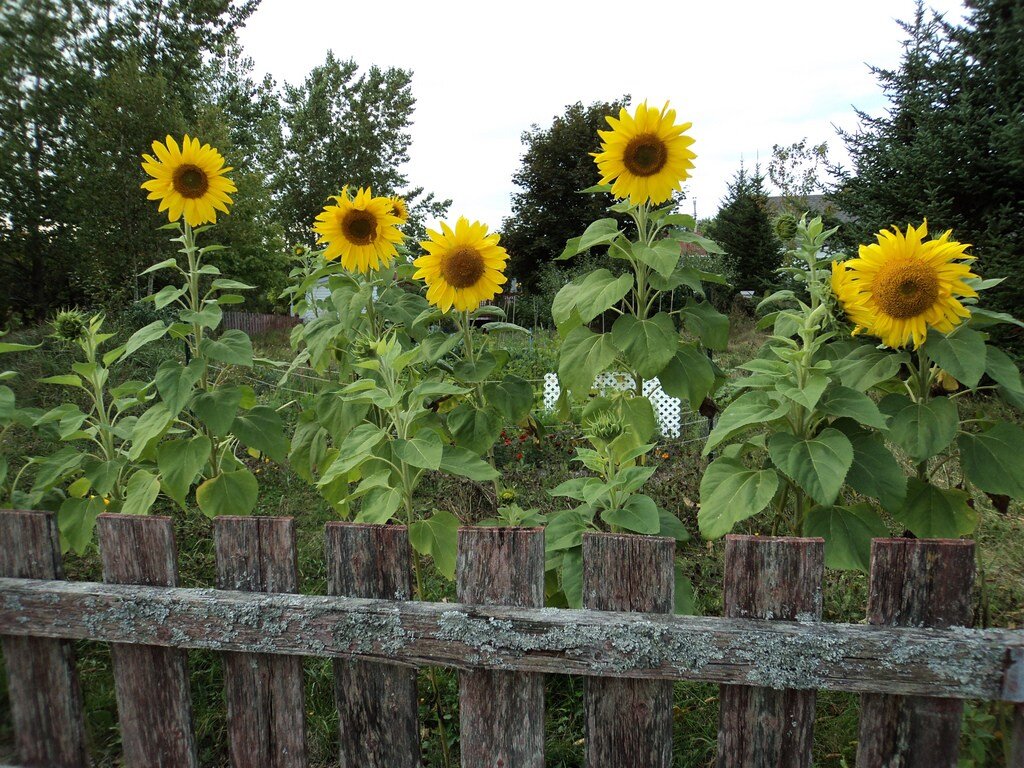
pixel 255 323
pixel 913 662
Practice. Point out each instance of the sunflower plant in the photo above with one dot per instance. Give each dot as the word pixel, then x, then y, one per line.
pixel 610 499
pixel 643 160
pixel 463 270
pixel 98 469
pixel 363 264
pixel 385 436
pixel 203 425
pixel 850 420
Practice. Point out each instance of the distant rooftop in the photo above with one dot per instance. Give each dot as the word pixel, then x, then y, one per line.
pixel 812 203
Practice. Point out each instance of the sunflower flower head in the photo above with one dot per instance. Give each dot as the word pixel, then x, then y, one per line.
pixel 901 285
pixel 188 181
pixel 645 156
pixel 463 266
pixel 361 231
pixel 399 208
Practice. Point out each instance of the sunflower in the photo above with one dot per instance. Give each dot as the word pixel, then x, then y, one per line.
pixel 646 155
pixel 901 286
pixel 188 181
pixel 462 267
pixel 361 230
pixel 848 298
pixel 399 208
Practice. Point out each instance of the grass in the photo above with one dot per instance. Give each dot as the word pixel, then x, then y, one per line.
pixel 531 464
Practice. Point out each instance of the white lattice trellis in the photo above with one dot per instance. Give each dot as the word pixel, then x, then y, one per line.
pixel 667 409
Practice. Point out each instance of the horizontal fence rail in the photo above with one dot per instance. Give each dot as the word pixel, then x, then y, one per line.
pixel 950 663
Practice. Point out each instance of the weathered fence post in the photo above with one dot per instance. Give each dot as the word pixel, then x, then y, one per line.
pixel 264 693
pixel 377 704
pixel 914 583
pixel 501 714
pixel 769 578
pixel 1017 743
pixel 46 703
pixel 629 722
pixel 154 703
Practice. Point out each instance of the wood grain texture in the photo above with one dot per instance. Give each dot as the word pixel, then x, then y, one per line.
pixel 501 714
pixel 629 722
pixel 915 582
pixel 154 702
pixel 265 694
pixel 42 683
pixel 777 579
pixel 954 663
pixel 377 702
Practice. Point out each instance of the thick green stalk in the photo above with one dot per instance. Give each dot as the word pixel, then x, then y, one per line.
pixel 478 392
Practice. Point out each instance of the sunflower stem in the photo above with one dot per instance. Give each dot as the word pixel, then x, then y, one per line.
pixel 478 393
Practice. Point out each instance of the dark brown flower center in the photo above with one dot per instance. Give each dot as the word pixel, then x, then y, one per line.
pixel 462 268
pixel 360 227
pixel 906 288
pixel 645 155
pixel 191 181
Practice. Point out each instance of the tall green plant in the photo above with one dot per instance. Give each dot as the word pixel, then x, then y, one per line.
pixel 644 157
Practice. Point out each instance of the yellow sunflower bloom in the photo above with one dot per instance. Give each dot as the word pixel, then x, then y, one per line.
pixel 847 296
pixel 645 156
pixel 399 208
pixel 463 267
pixel 361 230
pixel 188 181
pixel 900 286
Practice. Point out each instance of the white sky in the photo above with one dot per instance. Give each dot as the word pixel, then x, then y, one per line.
pixel 746 74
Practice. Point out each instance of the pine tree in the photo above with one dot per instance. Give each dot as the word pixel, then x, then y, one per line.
pixel 744 230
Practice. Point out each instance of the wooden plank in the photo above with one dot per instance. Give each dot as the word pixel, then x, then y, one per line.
pixel 1017 738
pixel 42 683
pixel 629 722
pixel 778 579
pixel 501 714
pixel 265 694
pixel 377 702
pixel 150 681
pixel 953 663
pixel 915 582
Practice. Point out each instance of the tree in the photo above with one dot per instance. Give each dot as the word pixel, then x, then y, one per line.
pixel 341 128
pixel 42 88
pixel 548 209
pixel 950 146
pixel 743 228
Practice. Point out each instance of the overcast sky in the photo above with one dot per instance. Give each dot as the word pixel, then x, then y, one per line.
pixel 747 75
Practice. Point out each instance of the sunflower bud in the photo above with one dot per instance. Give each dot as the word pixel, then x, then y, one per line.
pixel 785 226
pixel 604 426
pixel 69 325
